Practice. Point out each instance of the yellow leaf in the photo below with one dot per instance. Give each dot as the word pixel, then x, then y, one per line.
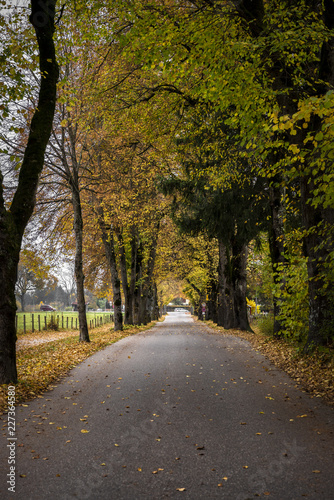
pixel 139 469
pixel 316 471
pixel 84 431
pixel 180 489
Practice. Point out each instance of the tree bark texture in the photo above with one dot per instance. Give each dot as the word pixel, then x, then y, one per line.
pixel 14 221
pixel 128 313
pixel 109 246
pixel 78 265
pixel 239 270
pixel 225 302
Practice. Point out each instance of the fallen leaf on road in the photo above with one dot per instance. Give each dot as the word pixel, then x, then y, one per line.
pixel 84 431
pixel 316 471
pixel 180 489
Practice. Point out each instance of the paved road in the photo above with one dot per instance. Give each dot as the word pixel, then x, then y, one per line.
pixel 175 412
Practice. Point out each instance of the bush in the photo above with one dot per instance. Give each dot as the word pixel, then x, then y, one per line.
pixel 293 298
pixel 266 324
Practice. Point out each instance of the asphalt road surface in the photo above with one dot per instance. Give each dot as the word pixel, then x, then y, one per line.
pixel 175 412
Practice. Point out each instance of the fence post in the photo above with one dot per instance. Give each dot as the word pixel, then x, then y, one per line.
pixel 67 323
pixel 76 323
pixel 32 323
pixel 45 327
pixel 24 323
pixel 39 322
pixel 72 323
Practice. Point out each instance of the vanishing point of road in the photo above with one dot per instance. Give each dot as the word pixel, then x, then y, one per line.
pixel 178 411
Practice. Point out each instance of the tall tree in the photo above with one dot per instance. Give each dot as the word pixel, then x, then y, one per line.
pixel 14 220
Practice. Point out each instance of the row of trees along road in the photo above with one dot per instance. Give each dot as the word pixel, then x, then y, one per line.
pixel 217 113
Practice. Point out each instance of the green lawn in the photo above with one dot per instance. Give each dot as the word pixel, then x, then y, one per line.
pixel 41 320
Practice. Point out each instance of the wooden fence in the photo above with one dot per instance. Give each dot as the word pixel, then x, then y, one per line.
pixel 32 322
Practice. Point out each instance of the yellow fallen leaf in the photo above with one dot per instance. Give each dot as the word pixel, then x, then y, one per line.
pixel 139 469
pixel 68 441
pixel 316 471
pixel 180 489
pixel 103 464
pixel 84 431
pixel 23 475
pixel 245 466
pixel 116 444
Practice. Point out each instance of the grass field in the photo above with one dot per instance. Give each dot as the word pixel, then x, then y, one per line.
pixel 40 320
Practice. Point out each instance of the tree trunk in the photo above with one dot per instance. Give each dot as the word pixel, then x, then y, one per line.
pixel 147 287
pixel 128 314
pixel 22 299
pixel 240 288
pixel 211 309
pixel 78 267
pixel 13 222
pixel 108 242
pixel 132 290
pixel 225 311
pixel 317 250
